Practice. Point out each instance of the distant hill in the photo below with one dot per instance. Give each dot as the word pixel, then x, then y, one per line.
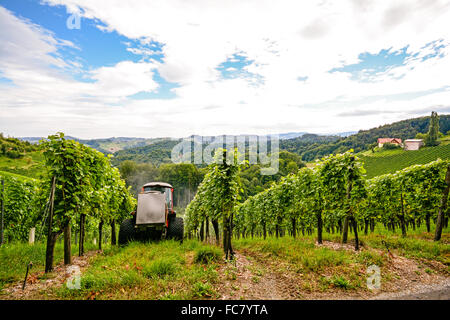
pixel 156 153
pixel 107 145
pixel 20 158
pixel 291 135
pixel 405 129
pixel 161 151
pixel 308 146
pixel 30 139
pixel 345 134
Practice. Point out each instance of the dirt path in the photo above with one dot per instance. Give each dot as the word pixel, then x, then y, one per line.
pixel 420 292
pixel 252 277
pixel 247 279
pixel 38 282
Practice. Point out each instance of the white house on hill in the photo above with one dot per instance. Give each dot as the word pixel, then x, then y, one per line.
pixel 413 144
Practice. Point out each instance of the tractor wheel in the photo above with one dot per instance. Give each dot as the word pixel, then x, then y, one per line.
pixel 176 229
pixel 126 231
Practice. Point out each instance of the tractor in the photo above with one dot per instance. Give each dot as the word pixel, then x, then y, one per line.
pixel 155 218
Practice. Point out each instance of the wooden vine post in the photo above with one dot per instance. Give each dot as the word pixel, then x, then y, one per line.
pixel 443 207
pixel 82 235
pixel 100 234
pixel 67 244
pixel 227 212
pixel 113 232
pixel 51 236
pixel 350 218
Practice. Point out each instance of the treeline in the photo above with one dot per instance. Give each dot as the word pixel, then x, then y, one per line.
pixel 185 178
pixel 159 152
pixel 253 182
pixel 308 146
pixel 156 153
pixel 314 147
pixel 14 148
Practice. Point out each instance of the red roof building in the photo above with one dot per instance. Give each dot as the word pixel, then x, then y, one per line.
pixel 382 141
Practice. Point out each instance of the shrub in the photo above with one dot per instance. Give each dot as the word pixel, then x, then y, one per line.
pixel 391 146
pixel 13 154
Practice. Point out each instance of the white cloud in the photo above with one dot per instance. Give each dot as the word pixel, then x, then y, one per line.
pixel 123 79
pixel 284 40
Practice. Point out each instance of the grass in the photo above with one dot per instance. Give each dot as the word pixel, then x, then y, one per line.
pixel 160 268
pixel 323 268
pixel 340 282
pixel 15 257
pixel 165 270
pixel 301 253
pixel 319 267
pixel 412 247
pixel 207 254
pixel 170 270
pixel 418 243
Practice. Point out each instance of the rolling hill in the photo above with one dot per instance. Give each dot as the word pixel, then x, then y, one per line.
pixel 108 145
pixel 20 158
pixel 31 165
pixel 309 146
pixel 361 141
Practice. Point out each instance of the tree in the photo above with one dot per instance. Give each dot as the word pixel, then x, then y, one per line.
pixel 421 136
pixel 373 146
pixel 432 136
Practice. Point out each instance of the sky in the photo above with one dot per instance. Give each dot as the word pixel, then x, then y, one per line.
pixel 173 68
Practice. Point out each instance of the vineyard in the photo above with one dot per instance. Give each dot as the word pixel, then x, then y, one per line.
pixel 80 190
pixel 318 228
pixel 391 161
pixel 21 205
pixel 334 195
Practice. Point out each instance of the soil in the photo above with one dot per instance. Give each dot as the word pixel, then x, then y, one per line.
pixel 250 280
pixel 420 292
pixel 37 283
pixel 254 276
